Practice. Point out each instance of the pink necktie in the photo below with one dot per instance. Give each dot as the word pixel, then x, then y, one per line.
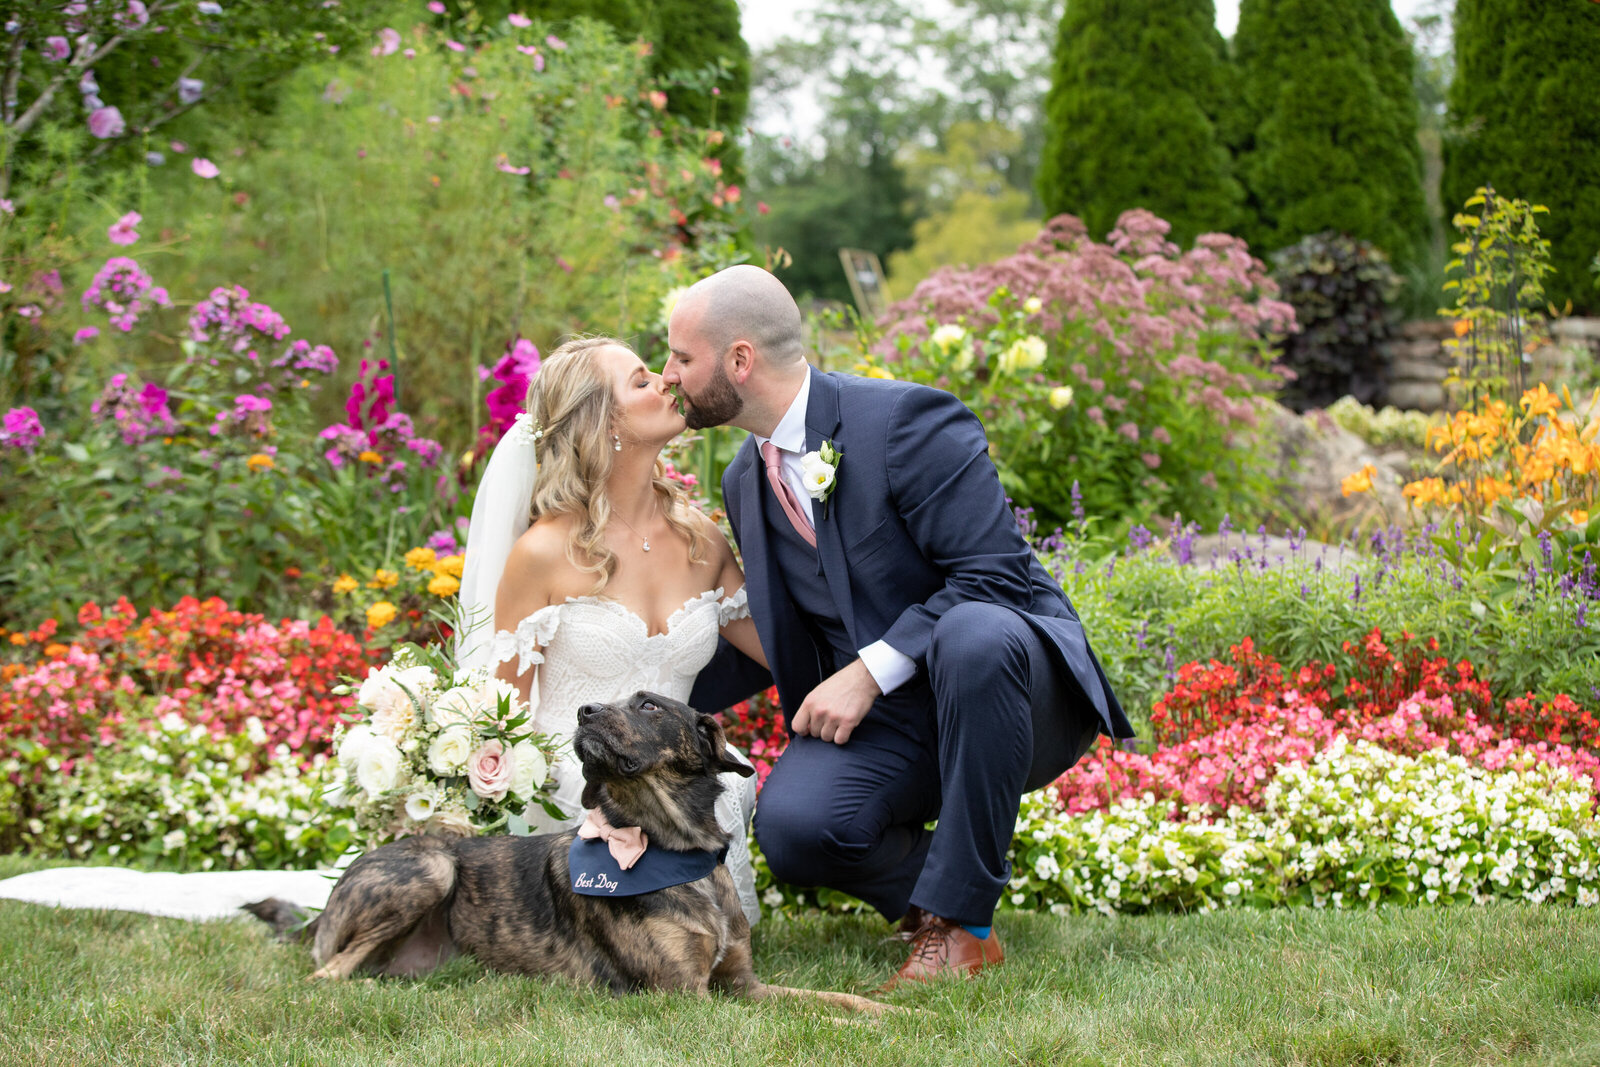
pixel 786 497
pixel 627 843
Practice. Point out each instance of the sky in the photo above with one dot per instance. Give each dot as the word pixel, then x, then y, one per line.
pixel 767 20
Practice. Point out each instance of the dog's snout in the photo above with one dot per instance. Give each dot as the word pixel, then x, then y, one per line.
pixel 590 710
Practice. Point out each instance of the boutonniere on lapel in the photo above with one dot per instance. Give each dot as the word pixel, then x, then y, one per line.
pixel 820 472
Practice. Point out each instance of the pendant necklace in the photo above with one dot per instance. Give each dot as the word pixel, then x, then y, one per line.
pixel 630 526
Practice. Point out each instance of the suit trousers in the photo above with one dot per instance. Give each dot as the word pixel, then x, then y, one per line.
pixel 957 746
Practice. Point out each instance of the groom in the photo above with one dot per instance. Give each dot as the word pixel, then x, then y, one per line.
pixel 928 665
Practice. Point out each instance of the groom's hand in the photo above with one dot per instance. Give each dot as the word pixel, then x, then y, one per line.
pixel 835 708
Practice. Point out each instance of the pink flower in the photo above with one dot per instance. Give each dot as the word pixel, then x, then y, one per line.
pixel 555 42
pixel 178 147
pixel 106 122
pixel 658 99
pixel 122 231
pixel 455 46
pixel 88 333
pixel 490 770
pixel 410 53
pixel 538 62
pixel 136 16
pixel 1151 460
pixel 436 7
pixel 519 20
pixel 56 48
pixel 190 90
pixel 388 42
pixel 504 164
pixel 204 167
pixel 22 429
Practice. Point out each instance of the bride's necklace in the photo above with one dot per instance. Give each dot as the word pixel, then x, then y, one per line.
pixel 630 526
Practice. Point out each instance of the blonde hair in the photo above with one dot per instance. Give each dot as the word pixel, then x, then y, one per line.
pixel 572 402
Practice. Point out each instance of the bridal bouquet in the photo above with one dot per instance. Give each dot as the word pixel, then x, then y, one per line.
pixel 438 751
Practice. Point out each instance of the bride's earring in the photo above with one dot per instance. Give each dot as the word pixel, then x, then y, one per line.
pixel 616 442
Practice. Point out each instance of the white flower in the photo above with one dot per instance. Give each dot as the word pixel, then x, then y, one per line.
pixel 1061 396
pixel 391 696
pixel 670 301
pixel 1032 305
pixel 378 767
pixel 948 336
pixel 1025 353
pixel 355 741
pixel 529 769
pixel 447 754
pixel 456 707
pixel 817 474
pixel 421 805
pixel 173 841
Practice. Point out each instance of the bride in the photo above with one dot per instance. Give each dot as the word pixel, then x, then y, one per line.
pixel 598 575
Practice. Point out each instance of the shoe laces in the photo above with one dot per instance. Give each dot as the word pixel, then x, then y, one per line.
pixel 932 942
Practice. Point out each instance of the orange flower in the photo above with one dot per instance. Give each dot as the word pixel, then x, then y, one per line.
pixel 1579 518
pixel 1540 401
pixel 345 584
pixel 19 639
pixel 1463 327
pixel 382 579
pixel 1359 482
pixel 369 456
pixel 260 462
pixel 380 614
pixel 55 650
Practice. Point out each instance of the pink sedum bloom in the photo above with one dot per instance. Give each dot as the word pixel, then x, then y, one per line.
pixel 204 167
pixel 122 231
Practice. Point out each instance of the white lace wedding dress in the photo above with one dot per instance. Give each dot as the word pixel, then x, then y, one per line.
pixel 592 650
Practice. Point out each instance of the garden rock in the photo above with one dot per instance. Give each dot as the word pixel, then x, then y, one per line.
pixel 1315 455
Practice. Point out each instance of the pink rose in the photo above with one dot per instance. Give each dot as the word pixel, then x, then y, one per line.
pixel 490 770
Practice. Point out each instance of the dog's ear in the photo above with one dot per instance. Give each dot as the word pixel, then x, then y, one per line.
pixel 714 747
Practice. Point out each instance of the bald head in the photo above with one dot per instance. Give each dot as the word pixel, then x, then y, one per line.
pixel 746 303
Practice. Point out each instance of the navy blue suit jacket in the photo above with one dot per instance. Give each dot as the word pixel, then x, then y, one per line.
pixel 916 524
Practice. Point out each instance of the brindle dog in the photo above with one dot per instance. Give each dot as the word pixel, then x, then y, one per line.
pixel 649 762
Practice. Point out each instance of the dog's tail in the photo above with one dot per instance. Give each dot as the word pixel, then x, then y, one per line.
pixel 289 922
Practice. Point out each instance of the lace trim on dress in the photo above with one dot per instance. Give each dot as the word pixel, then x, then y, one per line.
pixel 733 608
pixel 523 644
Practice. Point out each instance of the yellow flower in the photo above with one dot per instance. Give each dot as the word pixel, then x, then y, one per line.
pixel 380 614
pixel 1491 489
pixel 443 585
pixel 369 456
pixel 420 559
pixel 451 565
pixel 879 372
pixel 1540 401
pixel 345 584
pixel 1025 353
pixel 260 462
pixel 1060 396
pixel 382 579
pixel 1359 482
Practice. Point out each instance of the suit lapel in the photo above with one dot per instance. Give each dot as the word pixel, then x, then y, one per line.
pixel 822 423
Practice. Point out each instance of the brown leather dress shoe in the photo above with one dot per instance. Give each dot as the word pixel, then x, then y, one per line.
pixel 913 920
pixel 942 948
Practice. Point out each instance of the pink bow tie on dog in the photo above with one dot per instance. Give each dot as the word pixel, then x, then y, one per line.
pixel 626 843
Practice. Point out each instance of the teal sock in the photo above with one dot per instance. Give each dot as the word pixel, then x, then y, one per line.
pixel 979 932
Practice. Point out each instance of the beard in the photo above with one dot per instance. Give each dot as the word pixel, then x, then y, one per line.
pixel 715 406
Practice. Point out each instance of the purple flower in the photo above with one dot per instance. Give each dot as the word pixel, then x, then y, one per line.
pixel 88 333
pixel 87 85
pixel 1140 538
pixel 208 7
pixel 190 89
pixel 122 231
pixel 22 429
pixel 427 450
pixel 443 542
pixel 106 123
pixel 348 443
pixel 56 49
pixel 123 291
pixel 155 159
pixel 204 167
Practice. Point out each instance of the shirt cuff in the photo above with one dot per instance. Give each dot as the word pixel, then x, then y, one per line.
pixel 889 667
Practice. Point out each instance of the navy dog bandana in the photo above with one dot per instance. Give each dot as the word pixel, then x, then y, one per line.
pixel 596 873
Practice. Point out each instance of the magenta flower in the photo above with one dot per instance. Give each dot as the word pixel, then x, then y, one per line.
pixel 22 429
pixel 122 231
pixel 29 311
pixel 455 46
pixel 137 413
pixel 106 122
pixel 348 443
pixel 56 49
pixel 436 7
pixel 519 20
pixel 514 371
pixel 88 333
pixel 123 291
pixel 204 167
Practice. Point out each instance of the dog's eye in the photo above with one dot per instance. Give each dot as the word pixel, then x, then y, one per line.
pixel 649 705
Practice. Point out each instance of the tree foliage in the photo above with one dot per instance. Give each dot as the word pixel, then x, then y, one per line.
pixel 1326 134
pixel 1525 112
pixel 1135 99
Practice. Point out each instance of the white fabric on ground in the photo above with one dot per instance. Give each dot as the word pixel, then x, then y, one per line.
pixel 203 895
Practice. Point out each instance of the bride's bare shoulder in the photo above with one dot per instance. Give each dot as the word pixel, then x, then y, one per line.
pixel 543 544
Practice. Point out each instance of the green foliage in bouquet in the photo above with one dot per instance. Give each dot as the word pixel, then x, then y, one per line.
pixel 1326 134
pixel 1523 114
pixel 1343 293
pixel 1135 103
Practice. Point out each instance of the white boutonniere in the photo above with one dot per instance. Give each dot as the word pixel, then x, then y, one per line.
pixel 820 473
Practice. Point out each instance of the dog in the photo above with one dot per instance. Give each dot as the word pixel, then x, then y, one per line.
pixel 511 902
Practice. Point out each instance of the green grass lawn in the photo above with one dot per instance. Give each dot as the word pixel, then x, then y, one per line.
pixel 1421 986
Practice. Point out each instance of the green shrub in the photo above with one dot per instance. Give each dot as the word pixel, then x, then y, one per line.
pixel 1135 100
pixel 1342 291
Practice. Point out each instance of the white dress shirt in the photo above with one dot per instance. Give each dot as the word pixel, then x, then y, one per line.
pixel 889 667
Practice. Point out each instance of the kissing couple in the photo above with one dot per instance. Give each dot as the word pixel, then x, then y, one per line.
pixel 928 666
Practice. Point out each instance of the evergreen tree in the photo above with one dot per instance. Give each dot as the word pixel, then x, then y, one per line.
pixel 1131 119
pixel 1326 133
pixel 1525 105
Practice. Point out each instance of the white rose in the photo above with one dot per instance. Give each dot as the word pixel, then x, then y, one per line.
pixel 451 822
pixel 378 769
pixel 456 707
pixel 490 695
pixel 355 741
pixel 448 753
pixel 528 769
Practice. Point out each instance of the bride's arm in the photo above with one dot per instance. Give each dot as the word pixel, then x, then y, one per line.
pixel 526 586
pixel 741 632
